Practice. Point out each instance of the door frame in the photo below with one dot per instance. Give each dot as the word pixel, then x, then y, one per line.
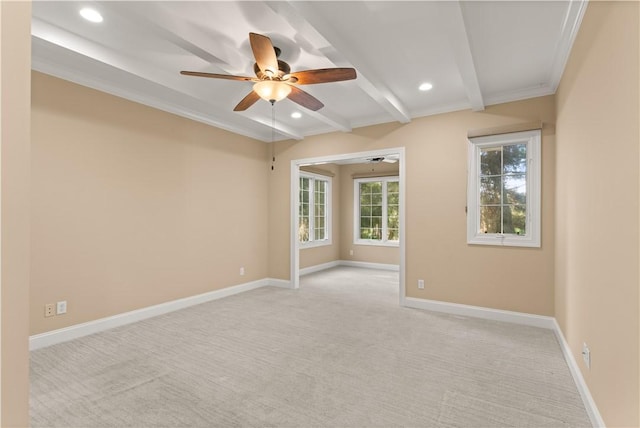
pixel 294 201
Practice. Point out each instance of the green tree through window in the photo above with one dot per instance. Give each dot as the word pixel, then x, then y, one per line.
pixel 377 210
pixel 313 221
pixel 393 203
pixel 503 189
pixel 303 210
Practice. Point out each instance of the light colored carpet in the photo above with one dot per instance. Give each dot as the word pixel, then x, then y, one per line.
pixel 339 352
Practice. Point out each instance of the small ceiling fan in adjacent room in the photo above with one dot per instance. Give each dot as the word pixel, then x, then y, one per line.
pixel 274 80
pixel 385 159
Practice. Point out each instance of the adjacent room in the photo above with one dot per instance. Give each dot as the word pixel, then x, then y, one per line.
pixel 360 213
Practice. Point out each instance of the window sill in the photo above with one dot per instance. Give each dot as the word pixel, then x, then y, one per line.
pixel 314 244
pixel 504 241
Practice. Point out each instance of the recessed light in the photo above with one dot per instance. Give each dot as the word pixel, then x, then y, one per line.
pixel 296 115
pixel 91 15
pixel 425 86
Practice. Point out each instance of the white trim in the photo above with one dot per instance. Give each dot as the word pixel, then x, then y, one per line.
pixel 570 27
pixel 79 330
pixel 533 141
pixel 294 246
pixel 583 389
pixel 368 265
pixel 532 320
pixel 294 252
pixel 481 312
pixel 320 267
pixel 314 244
pixel 328 205
pixel 351 263
pixel 403 229
pixel 450 13
pixel 518 95
pixel 356 212
pixel 281 283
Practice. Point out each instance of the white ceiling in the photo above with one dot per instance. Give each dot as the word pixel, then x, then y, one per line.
pixel 475 53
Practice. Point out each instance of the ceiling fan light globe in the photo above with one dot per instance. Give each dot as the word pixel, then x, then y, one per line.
pixel 272 90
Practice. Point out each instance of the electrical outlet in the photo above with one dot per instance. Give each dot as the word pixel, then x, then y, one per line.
pixel 49 310
pixel 241 271
pixel 351 252
pixel 61 307
pixel 421 284
pixel 586 355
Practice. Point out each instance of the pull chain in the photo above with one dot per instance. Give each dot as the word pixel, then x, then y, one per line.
pixel 273 133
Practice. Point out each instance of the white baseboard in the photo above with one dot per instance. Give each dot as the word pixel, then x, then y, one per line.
pixel 282 283
pixel 587 399
pixel 79 330
pixel 318 268
pixel 480 312
pixel 352 263
pixel 367 265
pixel 523 319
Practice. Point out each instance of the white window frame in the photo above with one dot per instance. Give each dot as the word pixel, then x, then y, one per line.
pixel 532 139
pixel 384 242
pixel 312 242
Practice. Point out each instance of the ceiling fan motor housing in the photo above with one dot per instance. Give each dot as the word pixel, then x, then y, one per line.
pixel 283 70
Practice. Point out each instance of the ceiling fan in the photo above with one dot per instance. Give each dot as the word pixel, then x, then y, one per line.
pixel 274 80
pixel 386 159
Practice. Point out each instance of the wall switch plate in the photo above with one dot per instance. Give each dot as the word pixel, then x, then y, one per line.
pixel 61 307
pixel 586 355
pixel 421 284
pixel 49 310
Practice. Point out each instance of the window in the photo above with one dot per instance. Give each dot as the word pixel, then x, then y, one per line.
pixel 503 199
pixel 376 208
pixel 314 210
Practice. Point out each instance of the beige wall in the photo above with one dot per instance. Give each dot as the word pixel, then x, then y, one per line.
pixel 597 239
pixel 362 253
pixel 133 206
pixel 15 57
pixel 518 279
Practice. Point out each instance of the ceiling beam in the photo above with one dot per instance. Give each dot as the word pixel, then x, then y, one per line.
pixel 53 35
pixel 330 119
pixel 453 22
pixel 221 57
pixel 302 16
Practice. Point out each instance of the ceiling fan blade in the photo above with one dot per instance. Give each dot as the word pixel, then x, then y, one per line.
pixel 306 100
pixel 264 53
pixel 247 101
pixel 217 76
pixel 324 75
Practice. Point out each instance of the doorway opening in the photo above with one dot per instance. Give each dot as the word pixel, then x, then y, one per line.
pixel 393 153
